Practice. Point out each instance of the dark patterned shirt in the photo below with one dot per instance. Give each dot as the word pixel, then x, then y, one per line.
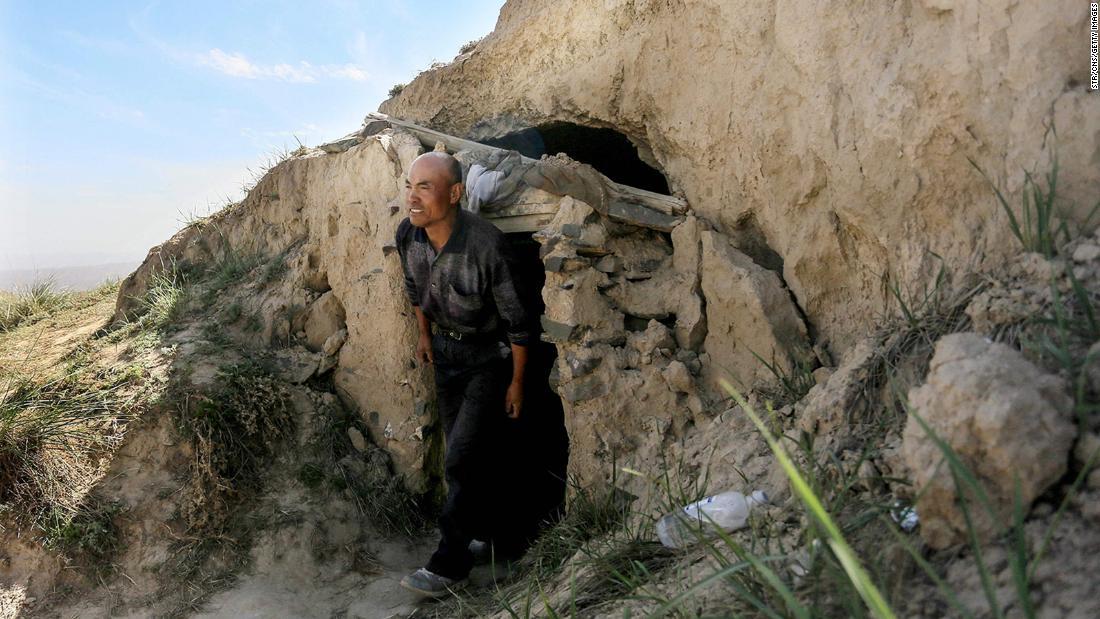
pixel 469 286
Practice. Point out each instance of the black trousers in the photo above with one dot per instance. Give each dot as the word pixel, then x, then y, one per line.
pixel 504 477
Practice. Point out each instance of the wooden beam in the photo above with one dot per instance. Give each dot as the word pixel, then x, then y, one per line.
pixel 429 137
pixel 522 223
pixel 625 204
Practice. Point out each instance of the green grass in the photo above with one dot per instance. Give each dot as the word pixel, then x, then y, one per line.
pixel 791 385
pixel 165 298
pixel 88 535
pixel 1035 226
pixel 31 303
pixel 54 435
pixel 1039 224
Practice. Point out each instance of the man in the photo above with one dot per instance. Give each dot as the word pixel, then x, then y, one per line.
pixel 458 276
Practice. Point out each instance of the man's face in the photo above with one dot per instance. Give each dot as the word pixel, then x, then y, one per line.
pixel 430 195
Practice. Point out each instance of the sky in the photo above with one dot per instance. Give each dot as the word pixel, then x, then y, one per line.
pixel 119 120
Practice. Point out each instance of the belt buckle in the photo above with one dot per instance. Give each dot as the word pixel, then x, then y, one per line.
pixel 456 335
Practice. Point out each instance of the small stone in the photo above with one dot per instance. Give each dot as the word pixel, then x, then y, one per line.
pixel 418 434
pixel 678 377
pixel 821 375
pixel 1086 252
pixel 581 367
pixel 1093 480
pixel 326 363
pixel 554 380
pixel 609 264
pixel 547 246
pixel 388 431
pixel 1087 448
pixel 694 366
pixel 569 265
pixel 572 230
pixel 1091 509
pixel 334 342
pixel 584 389
pixel 357 440
pixel 553 264
pixel 870 479
pixel 295 365
pixel 557 331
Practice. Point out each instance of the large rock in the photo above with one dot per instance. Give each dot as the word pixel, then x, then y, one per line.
pixel 749 314
pixel 847 140
pixel 1008 421
pixel 325 319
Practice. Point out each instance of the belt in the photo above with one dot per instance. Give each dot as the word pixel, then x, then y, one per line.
pixel 469 337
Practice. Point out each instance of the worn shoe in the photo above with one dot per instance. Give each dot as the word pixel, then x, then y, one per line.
pixel 430 584
pixel 482 551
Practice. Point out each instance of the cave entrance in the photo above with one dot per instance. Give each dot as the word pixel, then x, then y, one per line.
pixel 607 150
pixel 542 423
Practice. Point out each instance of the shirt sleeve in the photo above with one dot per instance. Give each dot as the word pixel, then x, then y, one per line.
pixel 506 295
pixel 401 241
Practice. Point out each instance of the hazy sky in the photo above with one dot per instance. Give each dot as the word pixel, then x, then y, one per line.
pixel 117 118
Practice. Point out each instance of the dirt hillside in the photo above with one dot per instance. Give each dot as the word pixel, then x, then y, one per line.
pixel 762 260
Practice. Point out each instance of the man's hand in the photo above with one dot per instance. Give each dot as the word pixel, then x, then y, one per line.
pixel 424 349
pixel 513 401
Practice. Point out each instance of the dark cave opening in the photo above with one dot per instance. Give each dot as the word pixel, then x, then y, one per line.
pixel 541 427
pixel 607 150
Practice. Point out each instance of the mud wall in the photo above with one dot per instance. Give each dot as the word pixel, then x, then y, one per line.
pixel 834 134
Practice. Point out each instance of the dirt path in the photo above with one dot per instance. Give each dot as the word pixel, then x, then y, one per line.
pixel 287 584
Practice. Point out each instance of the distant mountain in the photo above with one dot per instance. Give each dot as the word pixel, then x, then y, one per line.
pixel 72 278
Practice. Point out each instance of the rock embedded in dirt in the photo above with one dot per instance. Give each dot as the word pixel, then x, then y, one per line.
pixel 295 365
pixel 358 441
pixel 1086 252
pixel 1087 450
pixel 1007 420
pixel 334 342
pixel 325 318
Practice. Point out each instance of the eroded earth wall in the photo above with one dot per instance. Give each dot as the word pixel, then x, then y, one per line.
pixel 340 306
pixel 835 133
pixel 632 311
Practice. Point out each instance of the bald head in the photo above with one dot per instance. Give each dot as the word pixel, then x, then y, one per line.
pixel 433 190
pixel 443 163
